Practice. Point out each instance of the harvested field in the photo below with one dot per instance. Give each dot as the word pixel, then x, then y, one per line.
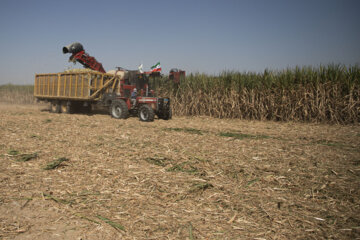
pixel 93 177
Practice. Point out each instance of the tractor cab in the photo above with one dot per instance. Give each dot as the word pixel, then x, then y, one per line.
pixel 134 79
pixel 137 79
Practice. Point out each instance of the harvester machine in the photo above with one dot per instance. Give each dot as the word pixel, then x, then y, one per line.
pixel 78 54
pixel 176 75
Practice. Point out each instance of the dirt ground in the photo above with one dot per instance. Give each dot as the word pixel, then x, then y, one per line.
pixel 187 178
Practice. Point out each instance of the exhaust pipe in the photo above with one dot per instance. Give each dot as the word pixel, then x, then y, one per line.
pixel 73 48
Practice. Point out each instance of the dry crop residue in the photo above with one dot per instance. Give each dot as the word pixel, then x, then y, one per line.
pixel 188 178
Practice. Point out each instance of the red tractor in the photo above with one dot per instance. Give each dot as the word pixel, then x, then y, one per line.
pixel 136 98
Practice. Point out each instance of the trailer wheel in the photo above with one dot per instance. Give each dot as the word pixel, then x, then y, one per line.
pixel 86 109
pixel 146 113
pixel 119 109
pixel 55 107
pixel 67 107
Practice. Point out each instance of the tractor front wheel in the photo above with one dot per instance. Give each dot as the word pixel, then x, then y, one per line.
pixel 167 115
pixel 146 113
pixel 119 109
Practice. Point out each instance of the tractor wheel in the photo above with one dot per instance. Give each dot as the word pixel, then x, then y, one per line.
pixel 55 107
pixel 68 107
pixel 167 115
pixel 146 113
pixel 119 109
pixel 86 109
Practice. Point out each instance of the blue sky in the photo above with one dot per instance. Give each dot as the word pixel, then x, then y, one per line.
pixel 197 36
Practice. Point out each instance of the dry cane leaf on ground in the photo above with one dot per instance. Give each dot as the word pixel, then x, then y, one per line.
pixel 165 180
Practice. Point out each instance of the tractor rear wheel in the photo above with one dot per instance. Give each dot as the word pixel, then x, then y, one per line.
pixel 119 109
pixel 55 107
pixel 146 113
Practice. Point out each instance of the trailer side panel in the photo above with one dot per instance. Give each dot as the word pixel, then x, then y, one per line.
pixel 72 86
